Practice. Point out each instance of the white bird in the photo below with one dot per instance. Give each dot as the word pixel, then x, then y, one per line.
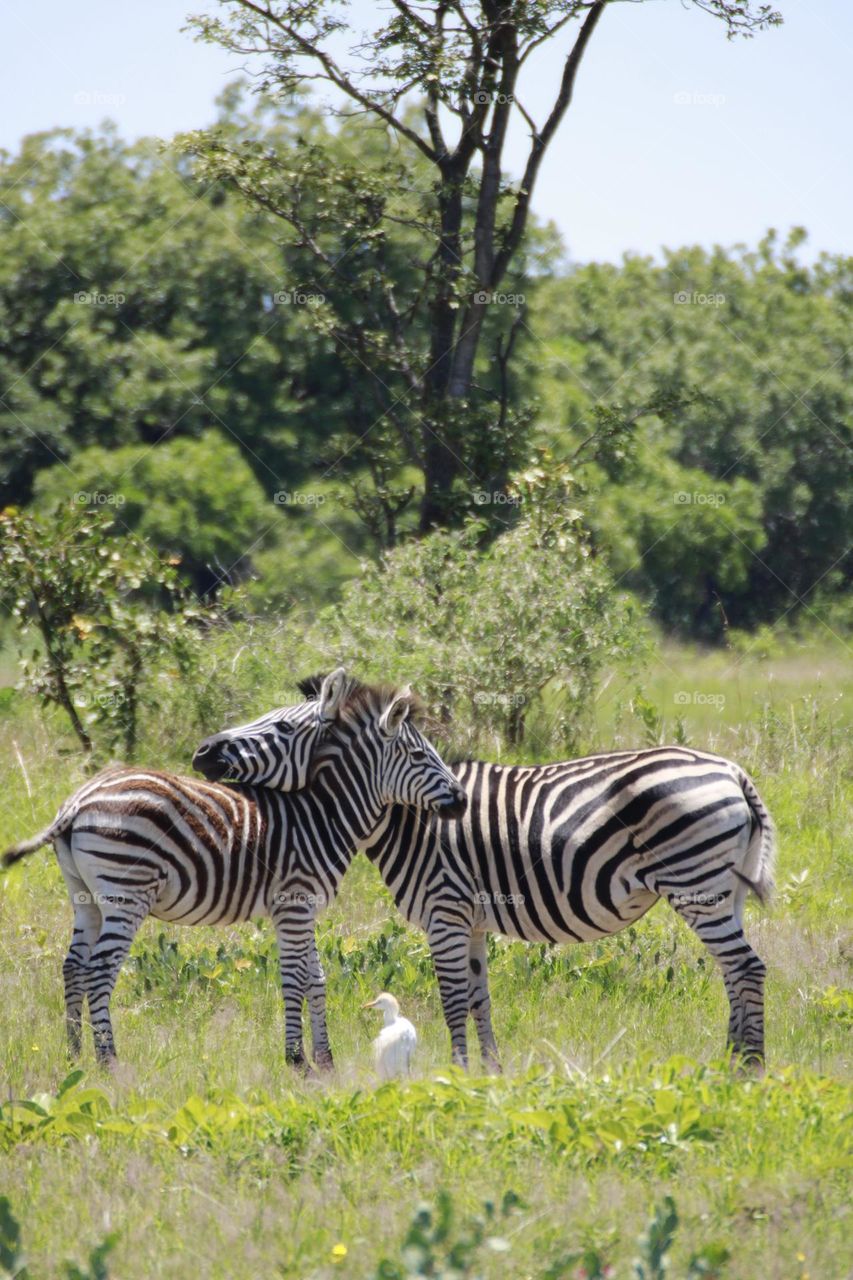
pixel 395 1044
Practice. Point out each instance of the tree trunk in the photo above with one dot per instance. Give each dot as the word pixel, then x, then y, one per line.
pixel 440 460
pixel 63 696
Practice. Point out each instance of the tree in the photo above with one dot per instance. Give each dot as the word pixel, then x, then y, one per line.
pixel 139 302
pixel 101 612
pixel 194 501
pixel 444 180
pixel 512 636
pixel 767 443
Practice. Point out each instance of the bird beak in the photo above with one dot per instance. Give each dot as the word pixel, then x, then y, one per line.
pixel 371 1004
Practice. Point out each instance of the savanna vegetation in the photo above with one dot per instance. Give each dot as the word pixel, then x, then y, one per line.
pixel 204 1153
pixel 616 512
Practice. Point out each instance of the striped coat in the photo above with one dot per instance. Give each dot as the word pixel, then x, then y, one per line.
pixel 576 851
pixel 136 842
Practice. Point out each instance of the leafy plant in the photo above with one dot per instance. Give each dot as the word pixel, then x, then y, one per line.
pixel 649 717
pixel 12 1261
pixel 105 613
pixel 512 636
pixel 13 1266
pixel 655 1243
pixel 196 502
pixel 653 1263
pixel 97 1268
pixel 436 1246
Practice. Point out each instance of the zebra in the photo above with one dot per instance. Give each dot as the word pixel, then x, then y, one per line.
pixel 576 851
pixel 138 842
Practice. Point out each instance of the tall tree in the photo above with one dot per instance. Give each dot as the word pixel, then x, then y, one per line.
pixel 467 64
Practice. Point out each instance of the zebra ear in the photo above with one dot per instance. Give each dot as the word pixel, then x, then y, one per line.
pixel 332 693
pixel 395 713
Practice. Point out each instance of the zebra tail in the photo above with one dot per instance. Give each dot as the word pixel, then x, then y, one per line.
pixel 18 851
pixel 759 869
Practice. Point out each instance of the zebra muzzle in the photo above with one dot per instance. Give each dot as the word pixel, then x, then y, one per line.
pixel 454 808
pixel 207 760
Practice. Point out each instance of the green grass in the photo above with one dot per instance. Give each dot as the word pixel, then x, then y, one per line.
pixel 208 1157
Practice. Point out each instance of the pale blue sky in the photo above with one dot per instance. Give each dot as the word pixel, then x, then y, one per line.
pixel 676 135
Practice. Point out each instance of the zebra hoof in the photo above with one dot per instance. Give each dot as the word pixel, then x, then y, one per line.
pixel 748 1063
pixel 324 1062
pixel 296 1058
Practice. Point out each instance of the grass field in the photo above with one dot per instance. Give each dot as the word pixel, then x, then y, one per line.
pixel 204 1156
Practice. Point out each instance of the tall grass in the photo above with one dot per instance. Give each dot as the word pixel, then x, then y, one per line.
pixel 207 1156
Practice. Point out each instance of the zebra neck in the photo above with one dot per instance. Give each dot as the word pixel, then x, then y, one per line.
pixel 351 810
pixel 401 847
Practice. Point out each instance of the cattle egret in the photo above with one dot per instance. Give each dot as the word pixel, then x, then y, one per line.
pixel 395 1044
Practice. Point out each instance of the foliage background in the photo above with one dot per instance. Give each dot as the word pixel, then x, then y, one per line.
pixel 666 559
pixel 143 354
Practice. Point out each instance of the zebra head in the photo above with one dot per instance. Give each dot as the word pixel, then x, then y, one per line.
pixel 277 749
pixel 372 741
pixel 403 763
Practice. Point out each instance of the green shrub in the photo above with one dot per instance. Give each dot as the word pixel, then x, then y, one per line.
pixel 484 632
pixel 101 617
pixel 194 500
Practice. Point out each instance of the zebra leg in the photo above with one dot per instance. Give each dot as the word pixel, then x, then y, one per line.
pixel 122 916
pixel 450 951
pixel 743 974
pixel 295 934
pixel 480 1002
pixel 320 1047
pixel 87 926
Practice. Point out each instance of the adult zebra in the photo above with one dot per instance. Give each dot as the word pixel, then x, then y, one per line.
pixel 575 851
pixel 135 842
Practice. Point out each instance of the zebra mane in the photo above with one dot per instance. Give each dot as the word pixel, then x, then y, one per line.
pixel 365 697
pixel 310 687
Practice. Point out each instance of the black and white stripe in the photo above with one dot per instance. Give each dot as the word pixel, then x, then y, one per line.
pixel 134 842
pixel 576 851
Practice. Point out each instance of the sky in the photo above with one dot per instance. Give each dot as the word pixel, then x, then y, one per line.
pixel 676 135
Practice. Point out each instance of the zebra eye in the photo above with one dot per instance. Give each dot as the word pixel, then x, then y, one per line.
pixel 284 726
pixel 418 755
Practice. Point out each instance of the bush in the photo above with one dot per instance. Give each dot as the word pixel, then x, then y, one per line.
pixel 493 637
pixel 683 539
pixel 194 500
pixel 101 616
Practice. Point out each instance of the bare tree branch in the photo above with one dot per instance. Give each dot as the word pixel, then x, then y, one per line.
pixel 339 79
pixel 541 141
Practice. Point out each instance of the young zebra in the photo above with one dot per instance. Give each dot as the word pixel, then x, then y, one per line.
pixel 575 851
pixel 135 842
